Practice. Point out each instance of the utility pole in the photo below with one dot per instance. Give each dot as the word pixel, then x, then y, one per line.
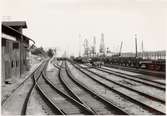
pixel 142 47
pixel 136 44
pixel 136 64
pixel 94 46
pixel 79 45
pixel 120 49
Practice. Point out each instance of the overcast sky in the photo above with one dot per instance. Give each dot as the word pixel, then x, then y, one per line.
pixel 58 23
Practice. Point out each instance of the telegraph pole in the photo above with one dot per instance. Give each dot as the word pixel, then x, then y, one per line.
pixel 94 46
pixel 136 51
pixel 142 49
pixel 136 45
pixel 79 45
pixel 120 49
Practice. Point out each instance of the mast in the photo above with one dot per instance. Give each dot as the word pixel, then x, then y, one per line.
pixel 142 47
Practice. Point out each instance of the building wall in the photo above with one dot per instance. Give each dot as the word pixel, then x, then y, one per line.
pixel 23 57
pixel 10 59
pixel 14 50
pixel 14 58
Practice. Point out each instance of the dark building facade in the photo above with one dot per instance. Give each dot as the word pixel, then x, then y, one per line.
pixel 14 50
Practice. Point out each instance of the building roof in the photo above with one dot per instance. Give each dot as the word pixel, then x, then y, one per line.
pixel 10 31
pixel 15 24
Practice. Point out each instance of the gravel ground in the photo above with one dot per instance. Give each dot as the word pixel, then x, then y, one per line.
pixel 132 84
pixel 136 74
pixel 90 100
pixel 50 67
pixel 52 74
pixel 145 100
pixel 37 106
pixel 34 104
pixel 8 88
pixel 113 97
pixel 14 104
pixel 62 102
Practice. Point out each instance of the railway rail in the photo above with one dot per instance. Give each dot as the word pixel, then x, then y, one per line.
pixel 69 95
pixel 96 102
pixel 27 85
pixel 161 100
pixel 47 93
pixel 144 81
pixel 64 103
pixel 157 90
pixel 85 97
pixel 55 79
pixel 142 71
pixel 47 103
pixel 132 98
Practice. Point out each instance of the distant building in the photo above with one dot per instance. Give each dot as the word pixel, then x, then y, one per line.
pixel 14 49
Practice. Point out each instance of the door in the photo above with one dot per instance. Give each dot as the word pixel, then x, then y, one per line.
pixel 7 70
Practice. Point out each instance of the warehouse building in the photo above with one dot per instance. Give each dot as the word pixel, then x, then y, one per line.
pixel 14 50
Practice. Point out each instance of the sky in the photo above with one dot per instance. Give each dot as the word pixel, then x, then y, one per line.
pixel 64 24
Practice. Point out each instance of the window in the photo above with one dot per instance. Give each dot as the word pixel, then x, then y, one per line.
pixel 15 45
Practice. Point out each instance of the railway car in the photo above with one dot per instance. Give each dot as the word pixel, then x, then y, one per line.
pixel 96 62
pixel 82 60
pixel 158 65
pixel 77 59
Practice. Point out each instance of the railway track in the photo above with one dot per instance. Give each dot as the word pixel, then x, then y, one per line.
pixel 154 84
pixel 96 102
pixel 55 78
pixel 64 103
pixel 147 80
pixel 141 71
pixel 19 86
pixel 132 96
pixel 9 106
pixel 137 85
pixel 46 102
pixel 158 99
pixel 135 76
pixel 56 66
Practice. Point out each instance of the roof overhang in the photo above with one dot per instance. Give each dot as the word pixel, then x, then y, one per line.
pixel 15 24
pixel 12 32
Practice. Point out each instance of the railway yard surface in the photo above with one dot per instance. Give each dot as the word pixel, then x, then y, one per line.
pixel 68 88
